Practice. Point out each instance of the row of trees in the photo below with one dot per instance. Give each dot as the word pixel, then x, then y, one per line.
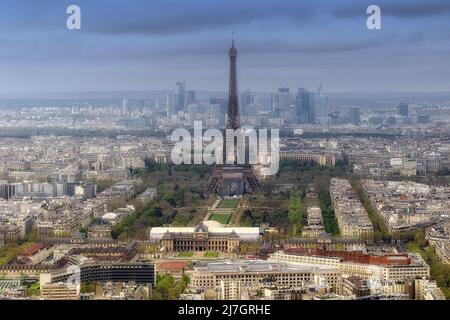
pixel 151 166
pixel 169 289
pixel 438 270
pixel 328 215
pixel 296 212
pixel 103 184
pixel 273 217
pixel 10 252
pixel 381 232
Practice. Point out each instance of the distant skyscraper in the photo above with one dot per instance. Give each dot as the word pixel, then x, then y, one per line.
pixel 274 101
pixel 124 107
pixel 284 98
pixel 305 104
pixel 247 97
pixel 190 97
pixel 281 103
pixel 214 111
pixel 181 96
pixel 299 106
pixel 281 100
pixel 249 108
pixel 354 115
pixel 403 109
pixel 192 112
pixel 223 102
pixel 321 103
pixel 170 105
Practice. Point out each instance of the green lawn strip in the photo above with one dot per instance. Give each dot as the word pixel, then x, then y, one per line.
pixel 186 254
pixel 228 203
pixel 211 254
pixel 222 218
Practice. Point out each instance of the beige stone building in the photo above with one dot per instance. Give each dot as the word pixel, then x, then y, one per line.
pixel 206 236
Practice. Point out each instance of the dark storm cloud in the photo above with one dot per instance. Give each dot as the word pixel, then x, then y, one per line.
pixel 173 17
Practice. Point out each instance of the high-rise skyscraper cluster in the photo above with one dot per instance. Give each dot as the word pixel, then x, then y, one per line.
pixel 281 107
pixel 183 101
pixel 305 107
pixel 184 104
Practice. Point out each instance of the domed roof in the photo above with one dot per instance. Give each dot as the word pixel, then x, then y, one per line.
pixel 109 216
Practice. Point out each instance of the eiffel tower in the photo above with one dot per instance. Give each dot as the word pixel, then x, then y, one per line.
pixel 232 179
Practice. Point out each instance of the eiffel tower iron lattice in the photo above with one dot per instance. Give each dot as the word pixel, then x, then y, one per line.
pixel 232 179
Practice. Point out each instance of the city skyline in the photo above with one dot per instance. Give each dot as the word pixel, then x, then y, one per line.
pixel 149 46
pixel 224 151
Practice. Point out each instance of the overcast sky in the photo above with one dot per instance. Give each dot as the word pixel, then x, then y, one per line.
pixel 150 44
